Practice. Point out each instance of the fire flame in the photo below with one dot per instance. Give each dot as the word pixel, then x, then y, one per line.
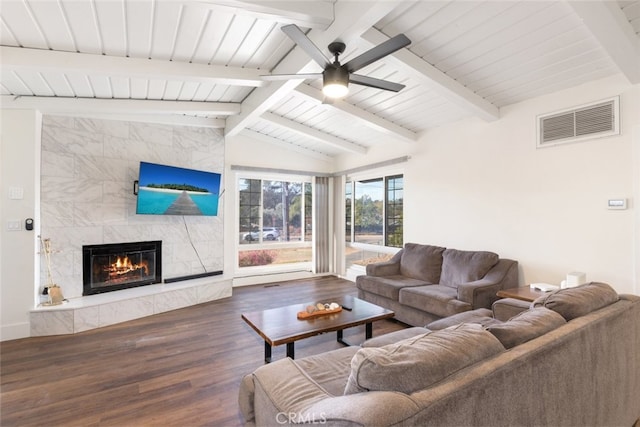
pixel 124 265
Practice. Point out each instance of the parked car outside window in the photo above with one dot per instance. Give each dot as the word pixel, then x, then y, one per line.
pixel 268 233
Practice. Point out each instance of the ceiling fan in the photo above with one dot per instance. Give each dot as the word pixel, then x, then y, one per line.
pixel 336 77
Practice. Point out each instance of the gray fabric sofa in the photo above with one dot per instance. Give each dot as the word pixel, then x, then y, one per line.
pixel 424 283
pixel 572 359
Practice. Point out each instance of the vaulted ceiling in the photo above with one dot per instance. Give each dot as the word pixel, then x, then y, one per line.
pixel 201 62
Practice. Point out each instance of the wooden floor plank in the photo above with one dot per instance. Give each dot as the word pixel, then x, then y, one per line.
pixel 180 368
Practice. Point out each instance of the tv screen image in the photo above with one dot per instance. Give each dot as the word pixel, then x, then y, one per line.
pixel 170 190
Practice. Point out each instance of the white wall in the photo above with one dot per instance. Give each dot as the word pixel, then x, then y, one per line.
pixel 20 168
pixel 484 186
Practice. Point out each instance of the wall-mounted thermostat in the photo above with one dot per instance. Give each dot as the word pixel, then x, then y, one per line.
pixel 617 204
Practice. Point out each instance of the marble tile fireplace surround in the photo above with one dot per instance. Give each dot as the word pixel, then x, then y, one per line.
pixel 87 171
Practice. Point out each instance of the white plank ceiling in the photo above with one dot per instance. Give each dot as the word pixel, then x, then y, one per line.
pixel 200 62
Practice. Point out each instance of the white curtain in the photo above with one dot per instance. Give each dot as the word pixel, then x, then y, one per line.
pixel 322 225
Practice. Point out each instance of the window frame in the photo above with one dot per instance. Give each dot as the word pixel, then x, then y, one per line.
pixel 349 239
pixel 304 242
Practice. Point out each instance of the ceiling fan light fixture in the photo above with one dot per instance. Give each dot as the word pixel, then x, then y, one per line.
pixel 335 82
pixel 335 90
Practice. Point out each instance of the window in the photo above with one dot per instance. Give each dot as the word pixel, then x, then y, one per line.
pixel 373 217
pixel 368 210
pixel 348 193
pixel 275 222
pixel 308 212
pixel 394 211
pixel 250 201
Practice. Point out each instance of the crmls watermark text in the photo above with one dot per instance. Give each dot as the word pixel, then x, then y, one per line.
pixel 294 417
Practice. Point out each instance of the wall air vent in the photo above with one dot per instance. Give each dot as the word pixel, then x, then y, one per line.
pixel 589 121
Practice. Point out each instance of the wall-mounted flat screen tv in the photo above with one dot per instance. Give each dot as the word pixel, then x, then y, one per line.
pixel 169 190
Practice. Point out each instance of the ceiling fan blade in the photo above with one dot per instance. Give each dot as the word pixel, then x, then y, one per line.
pixel 376 83
pixel 291 76
pixel 375 53
pixel 301 39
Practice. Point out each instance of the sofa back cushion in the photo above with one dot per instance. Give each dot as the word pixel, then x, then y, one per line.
pixel 421 262
pixel 465 266
pixel 416 363
pixel 526 326
pixel 575 302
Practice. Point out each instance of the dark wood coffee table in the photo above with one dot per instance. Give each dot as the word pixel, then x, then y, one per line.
pixel 281 326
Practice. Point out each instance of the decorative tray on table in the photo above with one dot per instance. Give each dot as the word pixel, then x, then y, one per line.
pixel 319 309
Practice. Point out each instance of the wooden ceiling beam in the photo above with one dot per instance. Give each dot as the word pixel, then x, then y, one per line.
pixel 370 120
pixel 610 27
pixel 307 14
pixel 58 104
pixel 16 58
pixel 162 119
pixel 313 134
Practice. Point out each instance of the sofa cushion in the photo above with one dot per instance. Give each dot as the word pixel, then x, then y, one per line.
pixel 465 266
pixel 578 301
pixel 330 369
pixel 395 336
pixel 386 286
pixel 481 316
pixel 441 301
pixel 416 363
pixel 526 326
pixel 421 262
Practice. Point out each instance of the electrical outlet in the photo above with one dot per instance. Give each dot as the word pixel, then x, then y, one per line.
pixel 14 225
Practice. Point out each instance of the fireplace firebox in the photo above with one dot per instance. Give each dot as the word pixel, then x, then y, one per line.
pixel 111 267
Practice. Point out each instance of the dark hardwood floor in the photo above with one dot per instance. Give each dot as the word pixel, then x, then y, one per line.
pixel 180 368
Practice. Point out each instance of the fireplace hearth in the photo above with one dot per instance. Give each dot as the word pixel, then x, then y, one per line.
pixel 116 266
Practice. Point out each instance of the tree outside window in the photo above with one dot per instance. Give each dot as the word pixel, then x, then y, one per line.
pixel 348 211
pixel 308 212
pixel 368 211
pixel 274 212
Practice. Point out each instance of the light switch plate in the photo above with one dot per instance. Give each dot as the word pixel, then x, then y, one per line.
pixel 14 225
pixel 16 193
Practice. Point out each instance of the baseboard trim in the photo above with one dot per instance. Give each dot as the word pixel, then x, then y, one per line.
pixel 273 277
pixel 15 331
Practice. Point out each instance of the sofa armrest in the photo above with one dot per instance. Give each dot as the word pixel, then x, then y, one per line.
pixel 480 294
pixel 505 308
pixel 387 268
pixel 284 394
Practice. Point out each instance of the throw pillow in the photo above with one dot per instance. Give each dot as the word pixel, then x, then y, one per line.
pixel 578 301
pixel 421 262
pixel 526 326
pixel 418 362
pixel 465 266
